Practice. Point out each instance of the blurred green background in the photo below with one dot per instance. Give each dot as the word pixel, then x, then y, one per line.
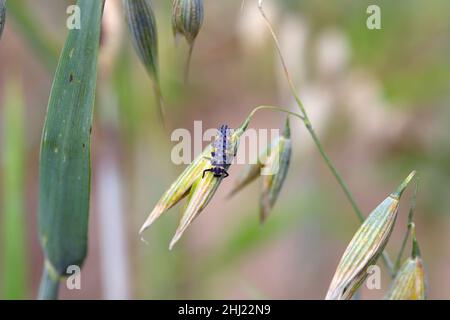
pixel 379 100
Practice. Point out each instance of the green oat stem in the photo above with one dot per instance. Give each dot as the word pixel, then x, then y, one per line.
pixel 315 138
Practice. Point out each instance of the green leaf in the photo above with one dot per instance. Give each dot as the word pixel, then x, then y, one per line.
pixel 66 141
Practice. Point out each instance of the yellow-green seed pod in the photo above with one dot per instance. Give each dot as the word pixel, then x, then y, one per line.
pixel 144 35
pixel 410 282
pixel 187 18
pixel 276 169
pixel 2 16
pixel 201 193
pixel 366 246
pixel 191 183
pixel 180 188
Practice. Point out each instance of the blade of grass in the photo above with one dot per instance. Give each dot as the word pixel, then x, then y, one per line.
pixel 64 170
pixel 13 224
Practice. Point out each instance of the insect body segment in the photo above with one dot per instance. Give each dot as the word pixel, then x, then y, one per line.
pixel 222 154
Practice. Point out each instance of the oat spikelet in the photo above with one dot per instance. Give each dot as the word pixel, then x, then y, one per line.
pixel 144 35
pixel 366 246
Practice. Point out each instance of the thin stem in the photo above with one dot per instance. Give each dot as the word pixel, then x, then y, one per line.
pixel 49 287
pixel 310 129
pixel 283 62
pixel 159 102
pixel 415 250
pixel 276 109
pixel 244 126
pixel 409 227
pixel 187 67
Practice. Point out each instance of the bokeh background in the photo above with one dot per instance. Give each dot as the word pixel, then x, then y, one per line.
pixel 379 100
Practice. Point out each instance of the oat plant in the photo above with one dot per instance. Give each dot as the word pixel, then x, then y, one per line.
pixel 410 280
pixel 368 243
pixel 366 246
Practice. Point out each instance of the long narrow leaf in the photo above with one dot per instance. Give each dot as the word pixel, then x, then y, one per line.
pixel 65 152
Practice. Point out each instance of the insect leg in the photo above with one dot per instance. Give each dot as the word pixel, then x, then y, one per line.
pixel 206 170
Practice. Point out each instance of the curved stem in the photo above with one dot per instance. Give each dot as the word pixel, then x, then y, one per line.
pixel 311 131
pixel 244 126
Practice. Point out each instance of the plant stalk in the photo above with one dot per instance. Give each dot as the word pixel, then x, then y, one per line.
pixel 49 287
pixel 316 140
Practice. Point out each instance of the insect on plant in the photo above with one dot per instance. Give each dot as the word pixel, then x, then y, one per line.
pixel 64 198
pixel 222 154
